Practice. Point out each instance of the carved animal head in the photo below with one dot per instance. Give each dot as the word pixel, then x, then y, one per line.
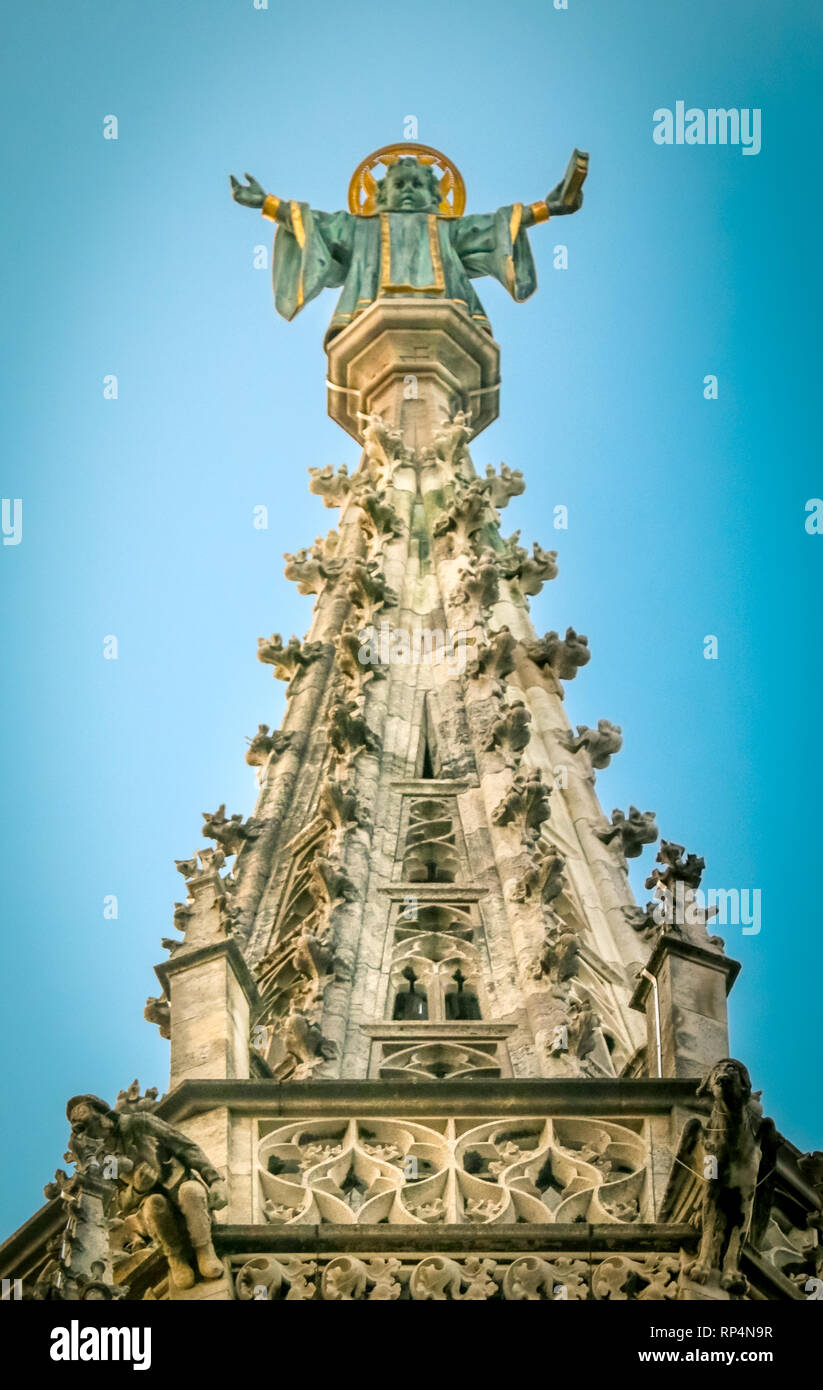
pixel 728 1082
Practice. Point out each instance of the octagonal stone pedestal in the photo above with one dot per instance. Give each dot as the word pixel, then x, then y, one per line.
pixel 415 361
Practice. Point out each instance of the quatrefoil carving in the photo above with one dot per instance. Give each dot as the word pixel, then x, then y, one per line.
pixel 507 1170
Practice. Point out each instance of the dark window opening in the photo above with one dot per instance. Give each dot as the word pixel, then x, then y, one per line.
pixel 408 1004
pixel 428 765
pixel 462 1003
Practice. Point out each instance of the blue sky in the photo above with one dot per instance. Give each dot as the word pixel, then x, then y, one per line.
pixel 686 516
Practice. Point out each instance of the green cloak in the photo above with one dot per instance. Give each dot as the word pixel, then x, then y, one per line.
pixel 397 253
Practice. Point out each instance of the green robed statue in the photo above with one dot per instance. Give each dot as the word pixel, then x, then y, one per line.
pixel 404 234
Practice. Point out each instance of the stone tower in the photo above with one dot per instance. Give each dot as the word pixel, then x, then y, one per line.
pixel 424 1043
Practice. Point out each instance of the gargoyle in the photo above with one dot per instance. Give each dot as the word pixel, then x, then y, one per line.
pixel 166 1186
pixel 738 1148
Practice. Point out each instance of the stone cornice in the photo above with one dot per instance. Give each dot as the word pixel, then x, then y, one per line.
pixel 577 1238
pixel 25 1245
pixel 636 1096
pixel 434 786
pixel 433 892
pixel 454 1030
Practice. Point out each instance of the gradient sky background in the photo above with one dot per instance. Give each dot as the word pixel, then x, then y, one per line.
pixel 686 516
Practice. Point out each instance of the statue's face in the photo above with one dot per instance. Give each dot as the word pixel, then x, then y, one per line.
pixel 407 188
pixel 87 1122
pixel 728 1083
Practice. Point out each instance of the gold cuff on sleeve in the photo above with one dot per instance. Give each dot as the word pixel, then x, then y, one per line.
pixel 270 206
pixel 539 212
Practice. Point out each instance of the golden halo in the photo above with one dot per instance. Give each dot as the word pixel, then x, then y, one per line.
pixel 363 186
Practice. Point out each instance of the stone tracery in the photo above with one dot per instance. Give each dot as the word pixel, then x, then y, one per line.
pixel 404 1172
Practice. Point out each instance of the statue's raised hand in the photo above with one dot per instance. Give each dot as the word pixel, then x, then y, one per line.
pixel 555 204
pixel 252 196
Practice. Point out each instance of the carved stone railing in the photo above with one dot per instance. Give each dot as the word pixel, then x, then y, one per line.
pixel 403 1172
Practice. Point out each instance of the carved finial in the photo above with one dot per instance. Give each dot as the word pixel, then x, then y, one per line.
pixel 601 743
pixel 563 655
pixel 631 831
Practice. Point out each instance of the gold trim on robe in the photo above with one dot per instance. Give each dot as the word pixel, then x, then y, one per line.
pixel 300 235
pixel 514 228
pixel 386 284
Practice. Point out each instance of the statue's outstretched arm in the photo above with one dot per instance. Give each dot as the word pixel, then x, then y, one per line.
pixel 252 195
pixel 552 206
pixel 565 197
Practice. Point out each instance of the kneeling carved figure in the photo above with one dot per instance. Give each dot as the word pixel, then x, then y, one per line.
pixel 166 1188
